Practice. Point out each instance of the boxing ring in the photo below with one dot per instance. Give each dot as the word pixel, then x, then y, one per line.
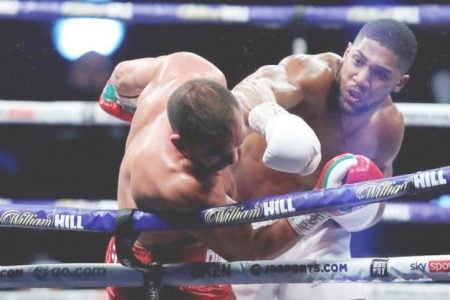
pixel 101 216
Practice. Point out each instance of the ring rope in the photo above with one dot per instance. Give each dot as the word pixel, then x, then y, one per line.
pixel 156 13
pixel 417 213
pixel 89 113
pixel 267 208
pixel 55 113
pixel 396 212
pixel 425 114
pixel 434 268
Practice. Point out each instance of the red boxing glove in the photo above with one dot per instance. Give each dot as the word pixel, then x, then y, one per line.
pixel 346 169
pixel 118 106
pixel 364 170
pixel 343 169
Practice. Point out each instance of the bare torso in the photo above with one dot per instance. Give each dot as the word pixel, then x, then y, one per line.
pixel 154 174
pixel 337 133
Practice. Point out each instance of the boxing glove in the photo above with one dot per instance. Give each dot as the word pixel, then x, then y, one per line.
pixel 292 146
pixel 119 106
pixel 347 169
pixel 343 169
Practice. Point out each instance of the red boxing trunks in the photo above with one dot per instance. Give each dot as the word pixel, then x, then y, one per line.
pixel 165 254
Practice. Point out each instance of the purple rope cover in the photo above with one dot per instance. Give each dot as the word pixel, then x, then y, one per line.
pixel 76 219
pixel 161 13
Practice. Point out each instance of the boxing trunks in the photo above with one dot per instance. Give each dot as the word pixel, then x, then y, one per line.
pixel 186 252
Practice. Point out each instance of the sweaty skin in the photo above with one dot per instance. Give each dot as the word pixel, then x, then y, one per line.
pixel 346 100
pixel 155 176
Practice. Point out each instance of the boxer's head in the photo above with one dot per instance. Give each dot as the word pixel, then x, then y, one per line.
pixel 375 65
pixel 207 123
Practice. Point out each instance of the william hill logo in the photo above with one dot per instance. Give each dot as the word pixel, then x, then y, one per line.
pixel 27 219
pixel 374 190
pixel 420 180
pixel 68 222
pixel 236 214
pixel 277 207
pixel 429 179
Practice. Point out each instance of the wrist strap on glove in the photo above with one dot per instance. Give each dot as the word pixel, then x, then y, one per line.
pixel 260 114
pixel 305 224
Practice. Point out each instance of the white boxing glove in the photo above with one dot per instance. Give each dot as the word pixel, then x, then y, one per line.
pixel 292 146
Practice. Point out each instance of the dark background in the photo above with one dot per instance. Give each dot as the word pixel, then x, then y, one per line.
pixel 82 162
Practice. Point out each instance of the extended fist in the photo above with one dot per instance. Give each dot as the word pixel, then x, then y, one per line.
pixel 292 146
pixel 346 169
pixel 343 169
pixel 119 106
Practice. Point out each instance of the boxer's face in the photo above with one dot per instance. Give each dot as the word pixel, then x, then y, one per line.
pixel 216 155
pixel 369 73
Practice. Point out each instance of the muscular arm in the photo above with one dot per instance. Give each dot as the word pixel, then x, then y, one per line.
pixel 271 83
pixel 265 98
pixel 242 242
pixel 286 83
pixel 132 76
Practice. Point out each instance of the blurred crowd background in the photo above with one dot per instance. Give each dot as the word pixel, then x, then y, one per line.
pixel 43 162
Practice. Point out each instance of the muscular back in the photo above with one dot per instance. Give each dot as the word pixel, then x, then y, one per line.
pixel 306 86
pixel 154 175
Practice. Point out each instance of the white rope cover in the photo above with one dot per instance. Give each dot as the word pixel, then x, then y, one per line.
pixel 434 268
pixel 425 114
pixel 375 291
pixel 55 113
pixel 89 113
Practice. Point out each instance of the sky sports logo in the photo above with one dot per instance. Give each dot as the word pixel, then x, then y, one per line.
pixel 439 266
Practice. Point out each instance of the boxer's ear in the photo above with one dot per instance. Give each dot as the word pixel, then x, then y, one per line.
pixel 181 145
pixel 175 139
pixel 402 82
